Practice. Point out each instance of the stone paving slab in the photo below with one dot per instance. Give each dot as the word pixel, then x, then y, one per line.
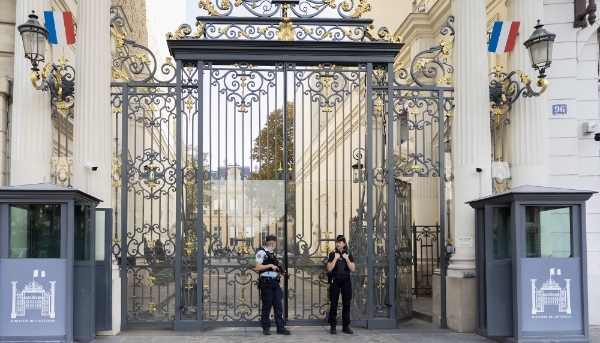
pixel 414 331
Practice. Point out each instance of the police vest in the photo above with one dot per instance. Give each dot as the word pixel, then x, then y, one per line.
pixel 269 259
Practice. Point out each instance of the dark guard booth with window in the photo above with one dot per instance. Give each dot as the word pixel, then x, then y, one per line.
pixel 46 264
pixel 531 265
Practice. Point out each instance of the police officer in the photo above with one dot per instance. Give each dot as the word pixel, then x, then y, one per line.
pixel 271 293
pixel 340 264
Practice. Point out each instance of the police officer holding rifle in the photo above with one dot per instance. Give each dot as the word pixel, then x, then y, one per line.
pixel 270 271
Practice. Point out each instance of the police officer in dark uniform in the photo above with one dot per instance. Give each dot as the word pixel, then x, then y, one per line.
pixel 269 270
pixel 340 264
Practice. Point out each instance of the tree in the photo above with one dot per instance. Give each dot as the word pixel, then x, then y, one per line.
pixel 268 146
pixel 191 168
pixel 266 187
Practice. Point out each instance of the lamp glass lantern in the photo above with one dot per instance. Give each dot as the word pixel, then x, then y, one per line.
pixel 540 46
pixel 357 172
pixel 34 37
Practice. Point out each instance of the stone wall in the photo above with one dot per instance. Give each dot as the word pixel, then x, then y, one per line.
pixel 134 12
pixel 7 37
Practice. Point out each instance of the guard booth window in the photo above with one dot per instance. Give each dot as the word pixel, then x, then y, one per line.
pixel 501 232
pixel 548 231
pixel 34 231
pixel 82 232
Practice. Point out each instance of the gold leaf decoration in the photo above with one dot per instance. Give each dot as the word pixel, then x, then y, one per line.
pixel 370 34
pixel 119 38
pixel 209 7
pixel 119 74
pixel 286 30
pixel 169 62
pixel 307 31
pixel 238 3
pixel 224 30
pixel 331 3
pixel 362 8
pixel 179 33
pixel 445 79
pixel 389 37
pixel 199 30
pixel 225 5
pixel 446 45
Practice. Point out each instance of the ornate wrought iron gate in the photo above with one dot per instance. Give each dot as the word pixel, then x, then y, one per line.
pixel 271 124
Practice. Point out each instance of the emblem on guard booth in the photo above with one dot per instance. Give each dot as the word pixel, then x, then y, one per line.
pixel 33 297
pixel 551 294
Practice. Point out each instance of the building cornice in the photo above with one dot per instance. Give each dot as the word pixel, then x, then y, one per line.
pixel 422 25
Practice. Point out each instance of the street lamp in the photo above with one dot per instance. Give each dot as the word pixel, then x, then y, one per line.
pixel 58 79
pixel 34 37
pixel 540 46
pixel 359 172
pixel 504 91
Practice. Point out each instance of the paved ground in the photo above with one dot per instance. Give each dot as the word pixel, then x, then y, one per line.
pixel 414 331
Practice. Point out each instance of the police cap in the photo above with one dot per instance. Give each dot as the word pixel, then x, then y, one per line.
pixel 270 238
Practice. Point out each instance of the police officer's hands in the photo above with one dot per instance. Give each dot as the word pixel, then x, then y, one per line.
pixel 274 267
pixel 337 255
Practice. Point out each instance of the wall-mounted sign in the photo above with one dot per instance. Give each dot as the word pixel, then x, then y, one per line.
pixel 551 294
pixel 464 242
pixel 33 297
pixel 559 109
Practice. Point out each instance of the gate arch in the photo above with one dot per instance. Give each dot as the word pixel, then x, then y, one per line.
pixel 283 123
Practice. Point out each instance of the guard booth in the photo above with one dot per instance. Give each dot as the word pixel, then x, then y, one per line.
pixel 531 265
pixel 46 264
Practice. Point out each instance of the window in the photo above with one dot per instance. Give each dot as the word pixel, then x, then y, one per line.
pixel 34 231
pixel 233 206
pixel 548 231
pixel 501 233
pixel 232 236
pixel 217 206
pixel 264 232
pixel 248 206
pixel 203 209
pixel 217 232
pixel 402 128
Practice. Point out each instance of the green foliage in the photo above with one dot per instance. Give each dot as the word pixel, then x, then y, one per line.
pixel 267 183
pixel 268 145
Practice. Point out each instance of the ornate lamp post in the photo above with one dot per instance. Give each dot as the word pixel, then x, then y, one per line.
pixel 504 91
pixel 58 79
pixel 359 173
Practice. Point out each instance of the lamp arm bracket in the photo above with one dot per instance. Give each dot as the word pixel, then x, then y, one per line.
pixel 542 83
pixel 35 77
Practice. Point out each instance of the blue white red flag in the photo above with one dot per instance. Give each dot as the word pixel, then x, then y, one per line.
pixel 504 35
pixel 60 26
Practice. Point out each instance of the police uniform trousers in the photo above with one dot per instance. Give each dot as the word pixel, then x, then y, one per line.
pixel 343 286
pixel 272 296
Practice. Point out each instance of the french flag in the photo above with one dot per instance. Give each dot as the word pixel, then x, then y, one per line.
pixel 61 28
pixel 504 35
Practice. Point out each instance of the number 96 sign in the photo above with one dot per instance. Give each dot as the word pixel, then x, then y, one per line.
pixel 559 109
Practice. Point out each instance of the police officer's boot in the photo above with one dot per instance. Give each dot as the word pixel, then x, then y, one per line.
pixel 347 330
pixel 333 330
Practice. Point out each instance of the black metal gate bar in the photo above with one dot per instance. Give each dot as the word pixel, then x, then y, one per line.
pixel 221 293
pixel 426 257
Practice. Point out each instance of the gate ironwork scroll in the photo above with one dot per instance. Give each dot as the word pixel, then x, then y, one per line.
pixel 426 258
pixel 280 123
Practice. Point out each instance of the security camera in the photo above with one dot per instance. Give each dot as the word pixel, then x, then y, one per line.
pixel 90 166
pixel 480 168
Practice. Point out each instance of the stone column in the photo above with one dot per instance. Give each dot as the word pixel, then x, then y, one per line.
pixel 5 95
pixel 31 125
pixel 92 140
pixel 528 129
pixel 471 148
